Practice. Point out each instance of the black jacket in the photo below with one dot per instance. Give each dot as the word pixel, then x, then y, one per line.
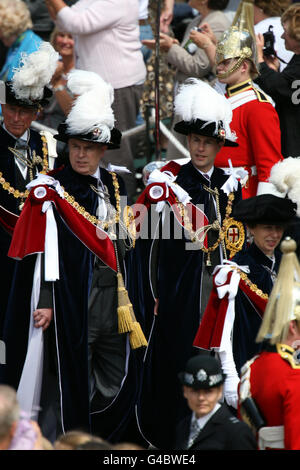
pixel 223 431
pixel 284 89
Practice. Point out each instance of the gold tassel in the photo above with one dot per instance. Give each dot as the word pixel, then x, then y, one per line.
pixel 126 319
pixel 125 310
pixel 137 338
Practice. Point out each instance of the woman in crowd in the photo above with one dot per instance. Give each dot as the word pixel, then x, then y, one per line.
pixel 283 87
pixel 16 34
pixel 268 14
pixel 61 101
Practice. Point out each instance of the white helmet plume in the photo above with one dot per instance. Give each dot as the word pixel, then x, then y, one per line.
pixel 92 109
pixel 34 73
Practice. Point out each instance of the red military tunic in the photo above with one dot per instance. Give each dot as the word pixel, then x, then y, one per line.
pixel 256 124
pixel 274 381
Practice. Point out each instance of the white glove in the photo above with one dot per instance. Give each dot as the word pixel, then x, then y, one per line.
pixel 232 379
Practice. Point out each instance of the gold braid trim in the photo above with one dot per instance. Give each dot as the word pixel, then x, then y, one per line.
pixel 287 353
pixel 45 155
pixel 15 192
pixel 24 194
pixel 92 218
pixel 252 286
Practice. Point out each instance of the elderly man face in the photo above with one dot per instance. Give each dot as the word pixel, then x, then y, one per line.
pixel 17 119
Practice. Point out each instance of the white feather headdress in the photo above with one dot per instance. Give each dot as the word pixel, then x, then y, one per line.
pixel 285 176
pixel 91 111
pixel 35 72
pixel 196 99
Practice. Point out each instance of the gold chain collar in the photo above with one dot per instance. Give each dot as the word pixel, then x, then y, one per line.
pixel 24 194
pixel 194 235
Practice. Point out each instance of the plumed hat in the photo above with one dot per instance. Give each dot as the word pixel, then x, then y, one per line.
pixel 202 371
pixel 91 117
pixel 284 302
pixel 239 40
pixel 264 209
pixel 29 84
pixel 204 111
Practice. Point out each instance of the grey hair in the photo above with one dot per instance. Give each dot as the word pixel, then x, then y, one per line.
pixel 15 18
pixel 9 409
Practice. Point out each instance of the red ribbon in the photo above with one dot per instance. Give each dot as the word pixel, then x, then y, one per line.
pixel 28 236
pixel 210 330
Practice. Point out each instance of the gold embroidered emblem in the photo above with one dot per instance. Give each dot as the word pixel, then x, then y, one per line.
pixel 234 235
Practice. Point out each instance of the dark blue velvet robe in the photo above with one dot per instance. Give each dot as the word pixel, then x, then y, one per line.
pixel 10 203
pixel 247 319
pixel 179 273
pixel 71 322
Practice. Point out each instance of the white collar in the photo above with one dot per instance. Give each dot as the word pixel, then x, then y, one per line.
pixel 203 419
pixel 209 172
pixel 97 174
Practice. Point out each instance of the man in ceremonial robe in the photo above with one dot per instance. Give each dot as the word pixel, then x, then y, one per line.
pixel 80 363
pixel 23 151
pixel 181 269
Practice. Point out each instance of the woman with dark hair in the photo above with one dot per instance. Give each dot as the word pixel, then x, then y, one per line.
pixel 267 16
pixel 283 87
pixel 188 59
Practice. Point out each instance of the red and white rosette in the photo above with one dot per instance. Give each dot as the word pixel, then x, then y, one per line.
pixel 162 189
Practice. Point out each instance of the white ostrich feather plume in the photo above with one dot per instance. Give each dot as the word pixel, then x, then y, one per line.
pixel 196 99
pixel 35 72
pixel 92 108
pixel 285 176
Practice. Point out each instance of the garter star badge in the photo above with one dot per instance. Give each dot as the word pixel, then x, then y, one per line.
pixel 234 236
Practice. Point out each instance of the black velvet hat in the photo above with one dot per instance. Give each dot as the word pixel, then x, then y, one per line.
pixel 265 209
pixel 11 98
pixel 202 371
pixel 64 135
pixel 209 129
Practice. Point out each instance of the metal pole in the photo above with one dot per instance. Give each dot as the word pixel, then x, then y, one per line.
pixel 157 49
